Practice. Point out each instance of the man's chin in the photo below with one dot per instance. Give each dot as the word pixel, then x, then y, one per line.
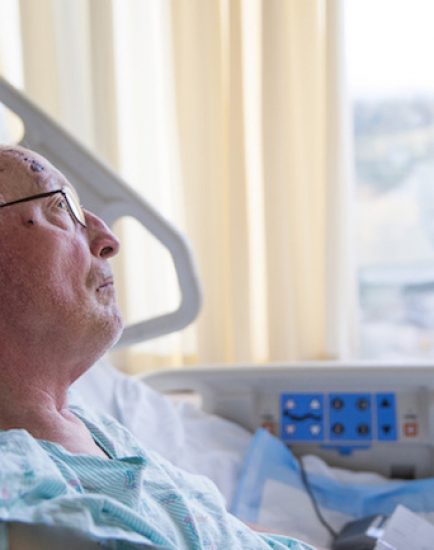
pixel 118 328
pixel 118 333
pixel 110 329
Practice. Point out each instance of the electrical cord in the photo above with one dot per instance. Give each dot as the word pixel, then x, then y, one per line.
pixel 312 497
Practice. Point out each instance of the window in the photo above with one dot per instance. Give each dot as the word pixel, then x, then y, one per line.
pixel 390 46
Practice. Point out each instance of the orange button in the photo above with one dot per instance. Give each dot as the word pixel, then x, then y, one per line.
pixel 411 429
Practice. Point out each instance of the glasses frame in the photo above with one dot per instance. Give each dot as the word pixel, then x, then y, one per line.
pixel 74 207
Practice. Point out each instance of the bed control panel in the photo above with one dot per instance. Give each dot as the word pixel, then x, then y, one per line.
pixel 350 419
pixel 376 417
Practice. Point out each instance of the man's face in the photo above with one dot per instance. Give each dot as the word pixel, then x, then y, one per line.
pixel 56 285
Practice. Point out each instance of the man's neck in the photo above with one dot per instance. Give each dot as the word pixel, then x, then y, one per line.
pixel 46 417
pixel 34 388
pixel 29 402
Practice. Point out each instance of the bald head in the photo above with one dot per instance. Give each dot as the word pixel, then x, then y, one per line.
pixel 21 156
pixel 21 170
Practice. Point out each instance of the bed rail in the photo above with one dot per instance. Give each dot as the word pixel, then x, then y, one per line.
pixel 109 197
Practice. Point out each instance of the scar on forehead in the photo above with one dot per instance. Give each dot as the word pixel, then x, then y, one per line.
pixel 23 158
pixel 34 165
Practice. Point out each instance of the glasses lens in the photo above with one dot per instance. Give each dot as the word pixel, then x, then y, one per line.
pixel 74 205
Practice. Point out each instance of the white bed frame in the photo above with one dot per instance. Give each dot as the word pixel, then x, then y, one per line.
pixel 105 194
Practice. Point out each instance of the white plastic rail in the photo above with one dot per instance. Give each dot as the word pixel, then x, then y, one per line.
pixel 103 192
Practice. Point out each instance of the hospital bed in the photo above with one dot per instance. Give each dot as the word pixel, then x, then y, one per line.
pixel 356 416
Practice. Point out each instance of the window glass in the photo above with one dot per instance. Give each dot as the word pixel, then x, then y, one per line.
pixel 390 45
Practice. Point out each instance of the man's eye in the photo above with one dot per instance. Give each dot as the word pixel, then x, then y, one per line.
pixel 61 203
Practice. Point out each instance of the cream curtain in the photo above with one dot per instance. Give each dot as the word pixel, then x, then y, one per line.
pixel 263 127
pixel 229 115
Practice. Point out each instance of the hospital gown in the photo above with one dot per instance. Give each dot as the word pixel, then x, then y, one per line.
pixel 135 500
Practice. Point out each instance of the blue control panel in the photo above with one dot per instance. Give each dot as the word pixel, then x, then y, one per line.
pixel 338 418
pixel 350 417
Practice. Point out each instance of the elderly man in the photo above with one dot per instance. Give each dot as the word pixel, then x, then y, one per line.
pixel 60 466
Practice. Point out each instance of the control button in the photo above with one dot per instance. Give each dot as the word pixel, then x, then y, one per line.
pixel 362 404
pixel 315 404
pixel 290 429
pixel 386 429
pixel 290 404
pixel 385 403
pixel 363 429
pixel 337 403
pixel 338 429
pixel 315 429
pixel 411 429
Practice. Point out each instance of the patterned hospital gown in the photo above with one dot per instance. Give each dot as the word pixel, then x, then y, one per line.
pixel 135 500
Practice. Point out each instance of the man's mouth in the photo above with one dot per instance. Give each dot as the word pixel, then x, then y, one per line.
pixel 107 283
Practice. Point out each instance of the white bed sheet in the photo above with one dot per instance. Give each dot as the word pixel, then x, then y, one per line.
pixel 193 440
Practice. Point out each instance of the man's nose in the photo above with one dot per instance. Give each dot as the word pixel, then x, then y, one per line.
pixel 102 241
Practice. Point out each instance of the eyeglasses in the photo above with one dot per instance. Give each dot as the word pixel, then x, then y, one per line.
pixel 71 200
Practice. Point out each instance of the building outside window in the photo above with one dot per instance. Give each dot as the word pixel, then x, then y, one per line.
pixel 390 47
